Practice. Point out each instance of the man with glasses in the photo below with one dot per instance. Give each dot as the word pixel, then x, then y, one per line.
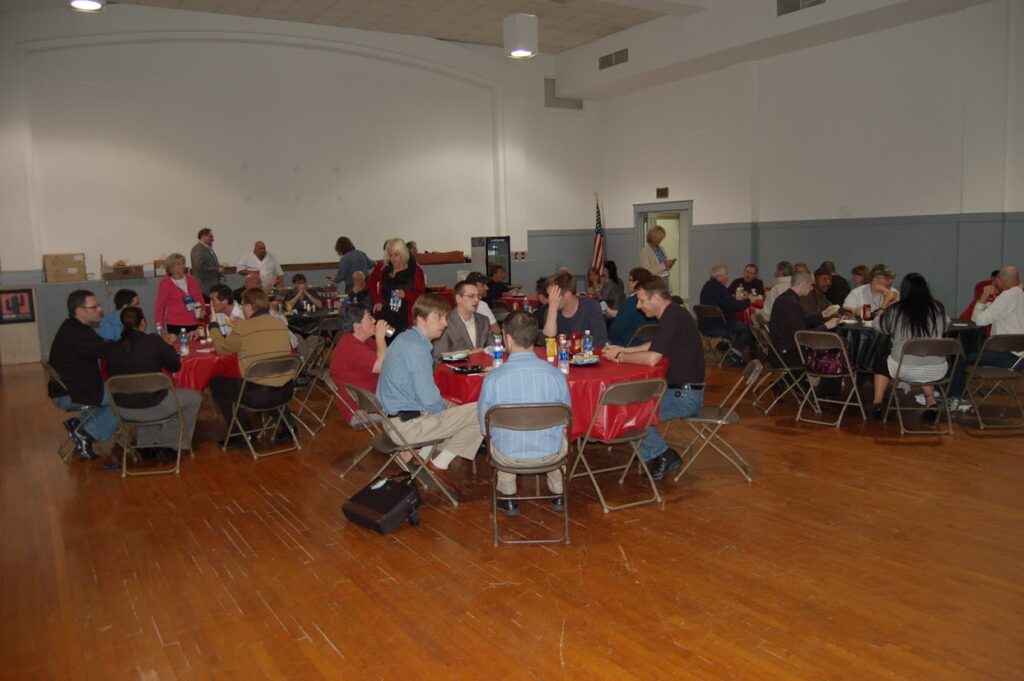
pixel 74 354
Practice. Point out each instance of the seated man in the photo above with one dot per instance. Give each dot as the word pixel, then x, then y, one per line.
pixel 629 318
pixel 358 357
pixel 783 280
pixel 540 313
pixel 483 308
pixel 301 297
pixel 678 339
pixel 110 327
pixel 467 329
pixel 359 293
pixel 839 288
pixel 715 293
pixel 496 285
pixel 138 352
pixel 568 314
pixel 74 354
pixel 225 310
pixel 259 336
pixel 524 378
pixel 816 301
pixel 410 397
pixel 789 316
pixel 749 281
pixel 878 294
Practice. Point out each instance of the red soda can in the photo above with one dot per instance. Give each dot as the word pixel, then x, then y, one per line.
pixel 576 343
pixel 867 313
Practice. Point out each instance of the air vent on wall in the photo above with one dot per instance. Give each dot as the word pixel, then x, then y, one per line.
pixel 790 6
pixel 613 59
pixel 553 101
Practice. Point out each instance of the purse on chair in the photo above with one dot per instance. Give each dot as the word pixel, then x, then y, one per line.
pixel 828 362
pixel 385 504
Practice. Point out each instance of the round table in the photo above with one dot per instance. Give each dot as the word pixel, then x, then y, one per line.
pixel 585 387
pixel 202 365
pixel 307 323
pixel 868 348
pixel 747 316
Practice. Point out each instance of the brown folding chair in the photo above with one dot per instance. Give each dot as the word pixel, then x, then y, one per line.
pixel 389 441
pixel 645 333
pixel 629 393
pixel 924 347
pixel 134 384
pixel 82 412
pixel 710 315
pixel 271 367
pixel 526 417
pixel 984 381
pixel 826 342
pixel 775 370
pixel 706 425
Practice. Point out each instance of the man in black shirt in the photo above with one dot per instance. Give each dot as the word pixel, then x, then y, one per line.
pixel 716 294
pixel 496 285
pixel 840 288
pixel 789 316
pixel 749 281
pixel 678 339
pixel 568 313
pixel 74 355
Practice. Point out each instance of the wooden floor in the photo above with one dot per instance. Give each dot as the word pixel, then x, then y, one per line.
pixel 853 555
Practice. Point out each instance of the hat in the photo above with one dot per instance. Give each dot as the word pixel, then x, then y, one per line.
pixel 476 278
pixel 880 271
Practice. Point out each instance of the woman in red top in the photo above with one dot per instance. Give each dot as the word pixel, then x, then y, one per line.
pixel 179 303
pixel 402 277
pixel 358 356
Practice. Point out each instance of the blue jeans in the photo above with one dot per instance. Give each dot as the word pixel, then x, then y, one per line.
pixel 102 422
pixel 1005 360
pixel 677 403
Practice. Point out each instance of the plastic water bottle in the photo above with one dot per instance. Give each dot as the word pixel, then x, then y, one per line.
pixel 183 343
pixel 160 329
pixel 499 351
pixel 563 357
pixel 527 307
pixel 588 344
pixel 396 302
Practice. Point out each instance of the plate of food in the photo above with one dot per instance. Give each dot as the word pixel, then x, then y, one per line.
pixel 455 356
pixel 468 369
pixel 850 320
pixel 584 360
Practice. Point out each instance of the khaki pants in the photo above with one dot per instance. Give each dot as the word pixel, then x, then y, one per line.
pixel 507 481
pixel 457 425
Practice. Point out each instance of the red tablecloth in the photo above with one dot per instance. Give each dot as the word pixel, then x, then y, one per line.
pixel 516 302
pixel 747 316
pixel 585 387
pixel 199 367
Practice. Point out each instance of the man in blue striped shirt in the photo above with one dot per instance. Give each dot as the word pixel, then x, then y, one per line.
pixel 524 378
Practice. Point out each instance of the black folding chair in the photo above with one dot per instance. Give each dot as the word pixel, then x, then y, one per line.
pixel 823 341
pixel 281 366
pixel 712 317
pixel 924 347
pixel 984 381
pixel 126 385
pixel 776 370
pixel 74 411
pixel 645 333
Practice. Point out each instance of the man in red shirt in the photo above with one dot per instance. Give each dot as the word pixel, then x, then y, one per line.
pixel 358 356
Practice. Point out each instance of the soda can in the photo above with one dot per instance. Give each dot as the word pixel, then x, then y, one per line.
pixel 552 348
pixel 867 313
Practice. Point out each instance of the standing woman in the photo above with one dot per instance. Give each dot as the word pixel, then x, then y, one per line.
pixel 401 284
pixel 652 257
pixel 179 303
pixel 352 260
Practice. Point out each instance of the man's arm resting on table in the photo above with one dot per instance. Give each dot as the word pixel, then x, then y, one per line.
pixel 641 354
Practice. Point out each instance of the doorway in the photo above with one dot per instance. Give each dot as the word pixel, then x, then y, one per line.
pixel 676 218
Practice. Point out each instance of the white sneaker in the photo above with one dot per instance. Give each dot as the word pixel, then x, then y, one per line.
pixel 956 404
pixel 919 398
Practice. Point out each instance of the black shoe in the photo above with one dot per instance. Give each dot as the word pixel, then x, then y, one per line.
pixel 733 360
pixel 83 445
pixel 71 424
pixel 149 453
pixel 558 504
pixel 930 415
pixel 508 506
pixel 878 412
pixel 665 463
pixel 723 346
pixel 301 381
pixel 236 442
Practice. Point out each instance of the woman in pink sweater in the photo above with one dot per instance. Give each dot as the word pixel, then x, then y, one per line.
pixel 179 303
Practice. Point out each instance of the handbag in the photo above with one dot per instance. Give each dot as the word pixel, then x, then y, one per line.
pixel 385 504
pixel 826 362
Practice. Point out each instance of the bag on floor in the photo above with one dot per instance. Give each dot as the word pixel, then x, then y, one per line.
pixel 385 504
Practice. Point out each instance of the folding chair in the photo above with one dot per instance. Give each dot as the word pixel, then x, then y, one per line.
pixel 330 331
pixel 317 371
pixel 282 365
pixel 826 342
pixel 924 347
pixel 500 310
pixel 389 441
pixel 644 333
pixel 526 417
pixel 629 393
pixel 82 413
pixel 367 422
pixel 984 381
pixel 775 370
pixel 135 384
pixel 710 315
pixel 706 425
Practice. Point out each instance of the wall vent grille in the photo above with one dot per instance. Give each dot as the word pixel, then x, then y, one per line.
pixel 789 6
pixel 614 59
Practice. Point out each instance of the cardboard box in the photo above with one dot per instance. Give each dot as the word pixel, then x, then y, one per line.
pixel 64 266
pixel 123 272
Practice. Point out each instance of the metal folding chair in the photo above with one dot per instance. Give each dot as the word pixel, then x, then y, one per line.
pixel 775 370
pixel 281 365
pixel 125 385
pixel 645 333
pixel 630 393
pixel 826 342
pixel 924 347
pixel 330 331
pixel 984 381
pixel 316 371
pixel 710 315
pixel 501 310
pixel 389 440
pixel 705 426
pixel 82 412
pixel 529 417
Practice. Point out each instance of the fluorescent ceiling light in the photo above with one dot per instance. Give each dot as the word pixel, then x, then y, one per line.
pixel 87 5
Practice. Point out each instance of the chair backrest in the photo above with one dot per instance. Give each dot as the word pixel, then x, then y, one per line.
pixel 141 384
pixel 818 340
pixel 274 367
pixel 330 325
pixel 631 392
pixel 764 342
pixel 528 416
pixel 1011 342
pixel 365 400
pixel 644 333
pixel 746 381
pixel 362 402
pixel 709 312
pixel 52 375
pixel 500 306
pixel 931 347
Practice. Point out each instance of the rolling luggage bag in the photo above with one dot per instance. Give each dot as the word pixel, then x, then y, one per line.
pixel 385 504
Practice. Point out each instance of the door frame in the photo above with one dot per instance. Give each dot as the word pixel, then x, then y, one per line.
pixel 641 209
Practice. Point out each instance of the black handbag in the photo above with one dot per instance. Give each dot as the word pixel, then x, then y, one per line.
pixel 385 504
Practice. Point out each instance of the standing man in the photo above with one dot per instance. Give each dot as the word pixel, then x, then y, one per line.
pixel 260 268
pixel 716 294
pixel 352 261
pixel 110 327
pixel 678 339
pixel 467 329
pixel 567 313
pixel 74 354
pixel 206 267
pixel 524 378
pixel 410 397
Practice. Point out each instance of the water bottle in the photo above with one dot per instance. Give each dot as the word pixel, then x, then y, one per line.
pixel 160 329
pixel 588 344
pixel 499 351
pixel 396 302
pixel 183 343
pixel 527 307
pixel 563 356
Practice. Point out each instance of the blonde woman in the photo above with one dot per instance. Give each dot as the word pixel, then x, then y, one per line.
pixel 652 257
pixel 401 283
pixel 179 302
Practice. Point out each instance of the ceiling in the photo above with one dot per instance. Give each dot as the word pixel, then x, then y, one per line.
pixel 564 24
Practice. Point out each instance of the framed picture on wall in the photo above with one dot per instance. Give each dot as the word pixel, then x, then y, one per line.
pixel 17 306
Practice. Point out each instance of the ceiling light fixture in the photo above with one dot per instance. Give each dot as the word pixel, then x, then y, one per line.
pixel 87 5
pixel 520 35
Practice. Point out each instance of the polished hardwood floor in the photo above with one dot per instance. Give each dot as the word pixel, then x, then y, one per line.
pixel 854 554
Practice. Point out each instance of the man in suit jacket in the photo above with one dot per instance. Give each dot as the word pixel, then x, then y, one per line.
pixel 205 264
pixel 467 329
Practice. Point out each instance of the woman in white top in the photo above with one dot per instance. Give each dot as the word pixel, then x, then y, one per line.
pixel 917 315
pixel 652 258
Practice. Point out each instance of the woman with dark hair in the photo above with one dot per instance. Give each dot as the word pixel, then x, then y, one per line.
pixel 352 260
pixel 611 286
pixel 916 315
pixel 358 356
pixel 140 353
pixel 401 283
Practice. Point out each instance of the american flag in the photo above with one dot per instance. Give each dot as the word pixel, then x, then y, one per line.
pixel 598 260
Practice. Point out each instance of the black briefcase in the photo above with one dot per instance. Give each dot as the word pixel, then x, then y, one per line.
pixel 385 504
